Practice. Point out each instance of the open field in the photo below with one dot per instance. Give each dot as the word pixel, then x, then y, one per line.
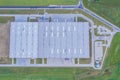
pixel 42 73
pixel 4 43
pixel 37 2
pixel 4 40
pixel 114 51
pixel 6 19
pixel 108 9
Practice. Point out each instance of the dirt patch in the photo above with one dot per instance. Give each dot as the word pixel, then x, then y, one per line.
pixel 4 60
pixel 4 39
pixel 89 73
pixel 85 61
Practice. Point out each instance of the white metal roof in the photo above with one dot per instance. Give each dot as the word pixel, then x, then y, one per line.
pixel 49 39
pixel 24 40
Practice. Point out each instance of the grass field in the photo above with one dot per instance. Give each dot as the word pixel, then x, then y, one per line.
pixel 109 9
pixel 37 2
pixel 114 51
pixel 40 73
pixel 6 19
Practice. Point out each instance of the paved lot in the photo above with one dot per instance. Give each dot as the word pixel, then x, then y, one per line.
pixel 21 61
pixel 20 19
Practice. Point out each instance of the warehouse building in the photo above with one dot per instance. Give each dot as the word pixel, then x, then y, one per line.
pixel 49 40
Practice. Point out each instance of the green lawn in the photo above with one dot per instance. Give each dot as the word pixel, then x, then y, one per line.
pixel 40 73
pixel 36 2
pixel 6 19
pixel 109 9
pixel 114 51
